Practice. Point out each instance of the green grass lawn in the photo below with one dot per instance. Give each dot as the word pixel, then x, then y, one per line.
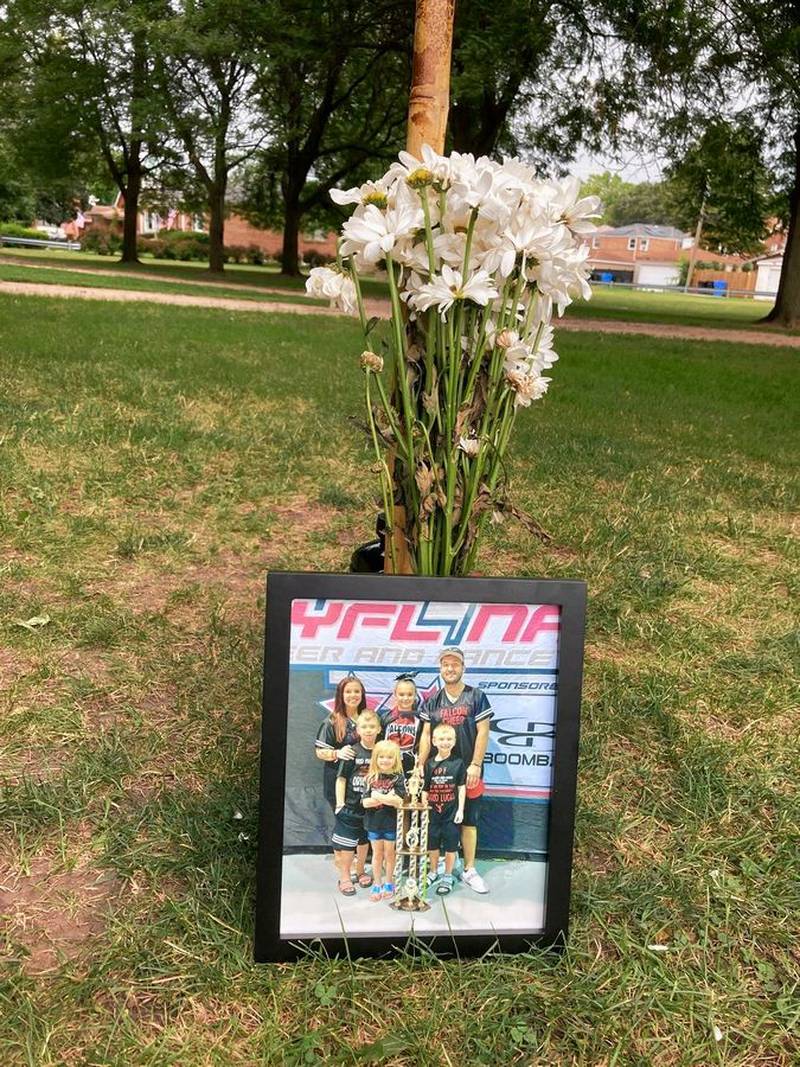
pixel 267 276
pixel 156 462
pixel 606 303
pixel 11 272
pixel 691 309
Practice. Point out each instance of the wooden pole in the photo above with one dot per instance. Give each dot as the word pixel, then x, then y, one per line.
pixel 695 247
pixel 428 104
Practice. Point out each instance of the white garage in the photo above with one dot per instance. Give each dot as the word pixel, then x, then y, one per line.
pixel 656 274
pixel 768 277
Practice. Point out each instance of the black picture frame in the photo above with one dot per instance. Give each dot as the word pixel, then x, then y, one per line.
pixel 282 589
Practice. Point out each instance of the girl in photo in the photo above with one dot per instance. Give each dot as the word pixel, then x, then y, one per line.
pixel 338 733
pixel 401 722
pixel 384 790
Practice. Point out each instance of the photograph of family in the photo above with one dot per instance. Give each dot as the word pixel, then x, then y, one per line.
pixel 418 767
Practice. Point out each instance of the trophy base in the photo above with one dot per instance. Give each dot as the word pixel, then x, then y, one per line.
pixel 410 905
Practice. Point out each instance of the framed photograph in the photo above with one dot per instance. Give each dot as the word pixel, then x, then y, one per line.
pixel 418 763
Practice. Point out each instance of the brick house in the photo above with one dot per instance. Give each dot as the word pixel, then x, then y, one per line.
pixel 238 231
pixel 647 254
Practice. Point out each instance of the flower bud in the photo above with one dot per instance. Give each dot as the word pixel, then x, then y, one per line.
pixel 371 361
pixel 420 178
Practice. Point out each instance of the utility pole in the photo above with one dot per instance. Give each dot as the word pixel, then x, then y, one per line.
pixel 695 247
pixel 428 105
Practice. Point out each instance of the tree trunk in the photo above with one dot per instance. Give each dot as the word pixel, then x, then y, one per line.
pixel 216 225
pixel 290 255
pixel 130 218
pixel 787 303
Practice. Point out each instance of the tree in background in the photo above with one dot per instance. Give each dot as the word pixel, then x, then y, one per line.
pixel 760 39
pixel 88 91
pixel 721 179
pixel 334 86
pixel 207 67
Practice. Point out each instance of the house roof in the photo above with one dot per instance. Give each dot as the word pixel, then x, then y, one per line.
pixel 643 229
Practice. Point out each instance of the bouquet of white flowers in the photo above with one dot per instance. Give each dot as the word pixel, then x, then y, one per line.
pixel 477 254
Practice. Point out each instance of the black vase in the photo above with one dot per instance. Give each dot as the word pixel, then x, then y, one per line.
pixel 368 558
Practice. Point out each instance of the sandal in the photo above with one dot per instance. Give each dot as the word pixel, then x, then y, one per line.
pixel 444 884
pixel 346 888
pixel 365 880
pixel 375 894
pixel 388 891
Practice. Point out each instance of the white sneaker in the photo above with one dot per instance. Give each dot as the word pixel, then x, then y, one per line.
pixel 471 878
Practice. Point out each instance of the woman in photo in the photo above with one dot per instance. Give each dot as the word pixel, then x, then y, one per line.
pixel 337 734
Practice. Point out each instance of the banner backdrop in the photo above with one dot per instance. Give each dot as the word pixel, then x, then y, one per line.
pixel 511 653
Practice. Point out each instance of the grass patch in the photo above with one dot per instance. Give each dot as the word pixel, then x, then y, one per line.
pixel 131 281
pixel 156 462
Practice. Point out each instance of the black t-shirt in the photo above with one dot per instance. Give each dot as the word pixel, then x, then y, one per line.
pixel 355 772
pixel 384 817
pixel 401 727
pixel 326 739
pixel 463 714
pixel 442 779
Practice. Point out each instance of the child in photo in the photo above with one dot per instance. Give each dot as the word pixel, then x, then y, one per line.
pixel 401 723
pixel 349 835
pixel 445 792
pixel 383 794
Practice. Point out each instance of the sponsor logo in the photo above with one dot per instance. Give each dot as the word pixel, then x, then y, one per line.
pixel 519 759
pixel 511 736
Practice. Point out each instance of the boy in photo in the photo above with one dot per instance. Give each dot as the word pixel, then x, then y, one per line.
pixel 349 832
pixel 468 711
pixel 445 792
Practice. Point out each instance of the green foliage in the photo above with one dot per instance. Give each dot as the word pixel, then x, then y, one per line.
pixel 103 242
pixel 723 176
pixel 625 203
pixel 17 229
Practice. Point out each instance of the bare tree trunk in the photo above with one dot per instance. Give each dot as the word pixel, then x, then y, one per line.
pixel 216 225
pixel 290 254
pixel 130 218
pixel 428 104
pixel 787 303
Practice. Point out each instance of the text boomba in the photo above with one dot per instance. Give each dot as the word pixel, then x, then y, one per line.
pixel 519 759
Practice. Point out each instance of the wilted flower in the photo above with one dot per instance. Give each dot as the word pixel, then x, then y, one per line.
pixel 469 445
pixel 337 287
pixel 371 361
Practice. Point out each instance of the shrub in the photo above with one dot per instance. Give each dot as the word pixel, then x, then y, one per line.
pixel 256 256
pixel 103 242
pixel 315 258
pixel 154 245
pixel 17 229
pixel 236 253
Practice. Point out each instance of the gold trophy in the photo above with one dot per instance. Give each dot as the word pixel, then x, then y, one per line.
pixel 411 862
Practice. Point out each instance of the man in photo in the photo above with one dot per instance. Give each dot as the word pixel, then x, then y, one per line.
pixel 468 711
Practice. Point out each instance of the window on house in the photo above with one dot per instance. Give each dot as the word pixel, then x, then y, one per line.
pixel 631 244
pixel 197 223
pixel 595 242
pixel 644 244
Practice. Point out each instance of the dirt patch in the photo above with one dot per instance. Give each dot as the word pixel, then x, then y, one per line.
pixel 14 666
pixel 50 914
